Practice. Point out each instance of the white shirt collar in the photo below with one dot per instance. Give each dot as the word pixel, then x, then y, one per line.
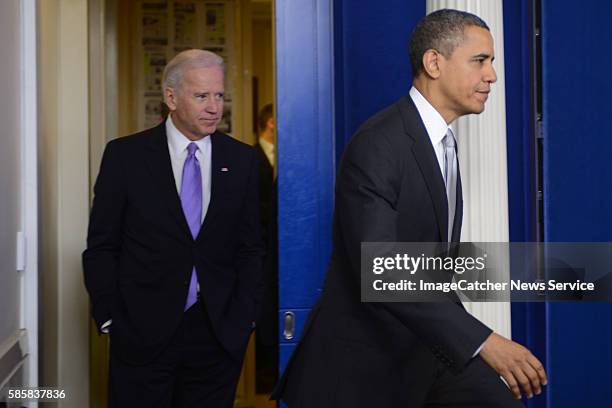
pixel 435 124
pixel 178 142
pixel 268 149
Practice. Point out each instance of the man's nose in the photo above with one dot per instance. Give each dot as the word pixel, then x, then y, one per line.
pixel 491 75
pixel 212 106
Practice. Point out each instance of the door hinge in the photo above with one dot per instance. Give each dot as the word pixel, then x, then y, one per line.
pixel 21 251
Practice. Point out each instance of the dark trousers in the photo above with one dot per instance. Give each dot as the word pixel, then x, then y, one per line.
pixel 193 371
pixel 477 386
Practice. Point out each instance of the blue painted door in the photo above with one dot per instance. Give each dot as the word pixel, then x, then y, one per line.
pixel 305 142
pixel 337 62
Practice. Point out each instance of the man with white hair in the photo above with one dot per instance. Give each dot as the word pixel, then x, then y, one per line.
pixel 174 249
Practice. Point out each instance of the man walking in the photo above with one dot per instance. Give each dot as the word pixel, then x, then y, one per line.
pixel 399 182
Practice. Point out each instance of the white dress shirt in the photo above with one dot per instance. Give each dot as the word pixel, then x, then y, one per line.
pixel 177 146
pixel 435 124
pixel 268 149
pixel 436 128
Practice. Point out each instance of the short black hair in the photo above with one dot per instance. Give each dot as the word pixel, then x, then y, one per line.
pixel 442 31
pixel 265 114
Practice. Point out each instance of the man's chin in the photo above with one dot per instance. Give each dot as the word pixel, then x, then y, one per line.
pixel 478 108
pixel 208 130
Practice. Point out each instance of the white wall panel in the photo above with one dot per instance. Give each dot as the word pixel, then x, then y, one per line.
pixel 10 166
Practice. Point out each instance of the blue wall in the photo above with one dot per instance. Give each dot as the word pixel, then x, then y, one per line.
pixel 577 57
pixel 573 339
pixel 528 319
pixel 372 69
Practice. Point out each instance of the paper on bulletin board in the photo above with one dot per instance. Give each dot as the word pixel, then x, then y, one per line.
pixel 153 111
pixel 154 63
pixel 214 33
pixel 185 25
pixel 225 125
pixel 155 23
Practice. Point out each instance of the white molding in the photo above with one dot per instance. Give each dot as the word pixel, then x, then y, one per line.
pixel 29 126
pixel 481 140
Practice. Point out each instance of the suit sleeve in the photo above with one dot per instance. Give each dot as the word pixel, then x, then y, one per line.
pixel 367 192
pixel 250 249
pixel 101 258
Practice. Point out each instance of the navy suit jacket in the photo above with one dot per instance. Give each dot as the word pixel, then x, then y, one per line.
pixel 389 188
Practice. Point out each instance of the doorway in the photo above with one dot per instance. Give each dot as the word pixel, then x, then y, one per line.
pixel 130 43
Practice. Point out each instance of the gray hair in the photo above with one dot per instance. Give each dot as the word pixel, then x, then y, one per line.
pixel 188 59
pixel 443 30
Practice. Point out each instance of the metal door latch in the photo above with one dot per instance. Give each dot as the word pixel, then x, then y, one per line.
pixel 289 327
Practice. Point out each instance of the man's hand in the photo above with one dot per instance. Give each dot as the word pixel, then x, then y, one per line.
pixel 515 364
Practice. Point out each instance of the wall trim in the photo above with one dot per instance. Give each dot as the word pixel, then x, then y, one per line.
pixel 481 141
pixel 29 193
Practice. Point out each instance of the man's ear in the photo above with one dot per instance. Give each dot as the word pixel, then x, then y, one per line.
pixel 170 98
pixel 431 63
pixel 270 123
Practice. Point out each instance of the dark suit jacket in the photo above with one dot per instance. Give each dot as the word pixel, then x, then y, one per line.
pixel 389 188
pixel 140 252
pixel 267 324
pixel 267 192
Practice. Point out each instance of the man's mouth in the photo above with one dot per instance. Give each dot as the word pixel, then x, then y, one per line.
pixel 483 94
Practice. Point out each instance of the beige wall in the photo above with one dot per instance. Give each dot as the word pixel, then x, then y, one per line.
pixel 262 55
pixel 64 202
pixel 126 43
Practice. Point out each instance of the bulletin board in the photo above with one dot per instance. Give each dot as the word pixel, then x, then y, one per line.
pixel 168 27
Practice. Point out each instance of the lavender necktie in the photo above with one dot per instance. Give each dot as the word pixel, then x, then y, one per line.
pixel 191 201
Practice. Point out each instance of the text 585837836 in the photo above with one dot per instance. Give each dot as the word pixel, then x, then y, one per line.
pixel 39 394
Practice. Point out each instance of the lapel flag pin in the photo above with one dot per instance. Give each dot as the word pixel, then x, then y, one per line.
pixel 224 169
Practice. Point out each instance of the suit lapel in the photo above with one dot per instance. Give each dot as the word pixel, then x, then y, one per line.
pixel 426 159
pixel 220 169
pixel 459 207
pixel 264 163
pixel 160 167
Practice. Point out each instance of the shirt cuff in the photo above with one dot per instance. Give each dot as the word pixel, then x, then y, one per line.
pixel 106 326
pixel 477 350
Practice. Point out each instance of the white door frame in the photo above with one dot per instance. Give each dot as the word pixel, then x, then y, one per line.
pixel 29 189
